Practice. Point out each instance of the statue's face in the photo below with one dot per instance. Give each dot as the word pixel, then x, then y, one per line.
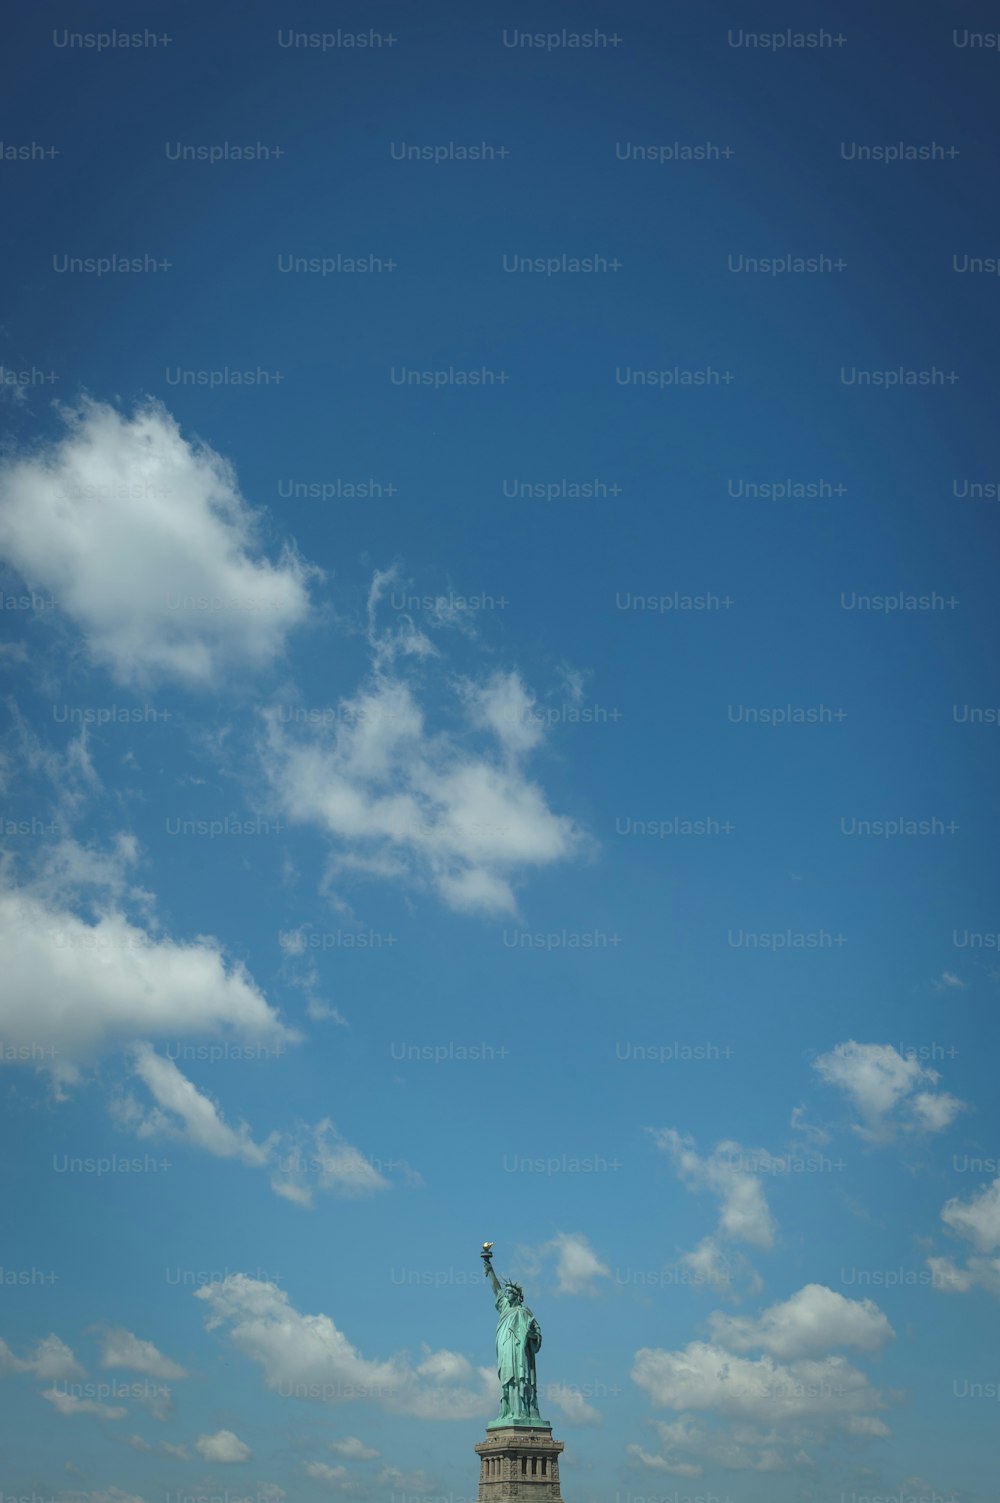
pixel 514 1297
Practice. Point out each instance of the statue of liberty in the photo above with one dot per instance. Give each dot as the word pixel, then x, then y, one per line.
pixel 519 1336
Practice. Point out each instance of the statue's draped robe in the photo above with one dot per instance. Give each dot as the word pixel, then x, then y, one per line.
pixel 518 1339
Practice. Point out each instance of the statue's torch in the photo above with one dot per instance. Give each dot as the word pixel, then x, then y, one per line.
pixel 486 1255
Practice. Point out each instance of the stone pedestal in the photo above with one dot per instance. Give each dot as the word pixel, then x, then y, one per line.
pixel 519 1462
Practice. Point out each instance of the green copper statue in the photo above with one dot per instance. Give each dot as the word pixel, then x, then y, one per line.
pixel 519 1337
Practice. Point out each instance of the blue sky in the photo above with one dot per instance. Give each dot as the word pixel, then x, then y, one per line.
pixel 499 742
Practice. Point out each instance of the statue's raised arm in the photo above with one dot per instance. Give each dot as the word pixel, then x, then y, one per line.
pixel 486 1254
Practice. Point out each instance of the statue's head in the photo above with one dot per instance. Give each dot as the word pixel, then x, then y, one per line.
pixel 514 1293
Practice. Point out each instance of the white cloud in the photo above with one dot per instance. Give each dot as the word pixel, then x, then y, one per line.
pixel 948 981
pixel 706 1376
pixel 51 1359
pixel 79 985
pixel 506 707
pixel 75 988
pixel 406 1482
pixel 933 1112
pixel 403 639
pixel 572 1404
pixel 306 1356
pixel 719 1268
pixel 70 773
pixel 293 941
pixel 758 1413
pixel 158 1401
pixel 300 1162
pixel 141 1444
pixel 746 1449
pixel 144 541
pixel 658 1463
pixel 70 1404
pixel 976 1220
pixel 732 1174
pixel 691 1435
pixel 812 1320
pixel 319 1158
pixel 100 1495
pixel 223 1446
pixel 798 1123
pixel 184 1111
pixel 892 1092
pixel 975 1273
pixel 122 1349
pixel 577 1265
pixel 769 1407
pixel 352 1448
pixel 336 1477
pixel 432 808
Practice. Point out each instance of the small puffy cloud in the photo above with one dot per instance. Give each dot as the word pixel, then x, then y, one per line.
pixel 719 1268
pixel 813 1320
pixel 307 1356
pixel 684 1434
pixel 158 1401
pixel 403 639
pixel 450 809
pixel 657 1463
pixel 144 541
pixel 706 1376
pixel 892 1092
pixel 223 1446
pixel 731 1173
pixel 572 1404
pixel 948 981
pixel 122 1349
pixel 293 941
pixel 68 1404
pixel 300 1161
pixel 319 1158
pixel 751 1453
pixel 933 1113
pixel 798 1123
pixel 76 987
pixel 576 1263
pixel 977 1221
pixel 757 1413
pixel 51 1359
pixel 79 987
pixel 975 1273
pixel 505 706
pixel 352 1449
pixel 335 1477
pixel 764 1411
pixel 405 1482
pixel 141 1444
pixel 185 1112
